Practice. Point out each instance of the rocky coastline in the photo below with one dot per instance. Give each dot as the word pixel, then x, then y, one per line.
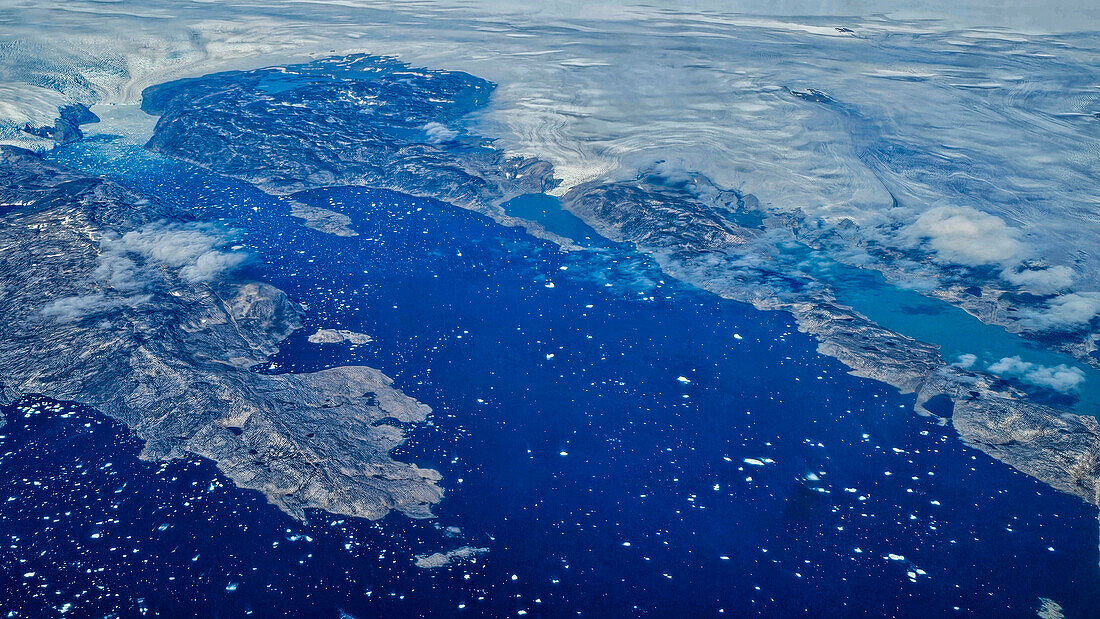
pixel 131 307
pixel 406 133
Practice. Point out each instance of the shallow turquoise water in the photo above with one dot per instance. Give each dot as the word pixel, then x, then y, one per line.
pixel 955 331
pixel 547 211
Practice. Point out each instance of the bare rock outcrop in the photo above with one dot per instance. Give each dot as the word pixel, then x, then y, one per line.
pixel 338 336
pixel 98 311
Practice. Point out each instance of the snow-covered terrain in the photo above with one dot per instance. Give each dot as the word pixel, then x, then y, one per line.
pixel 971 134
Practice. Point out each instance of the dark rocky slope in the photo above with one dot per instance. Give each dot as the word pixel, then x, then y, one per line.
pixel 103 305
pixel 360 120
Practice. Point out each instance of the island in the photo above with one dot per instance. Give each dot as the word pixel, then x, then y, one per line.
pixel 132 307
pixel 338 336
pixel 440 559
pixel 322 220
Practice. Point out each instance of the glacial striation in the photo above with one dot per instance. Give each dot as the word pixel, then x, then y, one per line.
pixel 372 121
pixel 129 306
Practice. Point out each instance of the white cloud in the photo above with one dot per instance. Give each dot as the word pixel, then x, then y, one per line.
pixel 966 361
pixel 967 236
pixel 73 308
pixel 210 264
pixel 1046 280
pixel 963 235
pixel 1060 377
pixel 126 263
pixel 438 133
pixel 1066 312
pixel 191 248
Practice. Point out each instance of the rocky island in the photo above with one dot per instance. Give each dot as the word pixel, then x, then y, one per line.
pixel 440 559
pixel 338 336
pixel 322 220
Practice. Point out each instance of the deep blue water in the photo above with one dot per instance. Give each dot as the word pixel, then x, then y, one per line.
pixel 601 481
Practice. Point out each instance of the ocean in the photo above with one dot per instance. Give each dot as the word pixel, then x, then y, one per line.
pixel 622 443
